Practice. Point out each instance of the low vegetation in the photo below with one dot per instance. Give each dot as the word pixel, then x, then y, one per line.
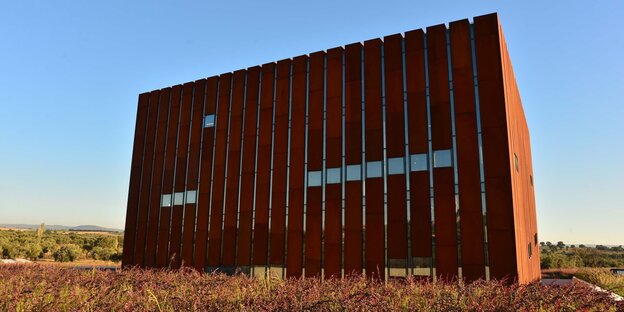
pixel 53 288
pixel 60 246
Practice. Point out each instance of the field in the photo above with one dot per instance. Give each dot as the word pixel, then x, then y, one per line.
pixel 52 288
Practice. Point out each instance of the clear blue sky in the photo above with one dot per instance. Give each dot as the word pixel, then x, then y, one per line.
pixel 70 73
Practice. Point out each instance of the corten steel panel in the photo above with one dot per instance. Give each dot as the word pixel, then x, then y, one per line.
pixel 313 232
pixel 203 201
pixel 135 179
pixel 353 155
pixel 139 246
pixel 395 142
pixel 333 142
pixel 440 103
pixel 372 100
pixel 375 264
pixel 193 170
pixel 248 168
pixel 441 138
pixel 162 251
pixel 294 249
pixel 163 237
pixel 263 165
pixel 393 73
pixel 157 175
pixel 353 104
pixel 188 232
pixel 375 236
pixel 420 211
pixel 315 112
pixel 445 226
pixel 280 161
pixel 216 208
pixel 353 228
pixel 471 221
pixel 175 239
pixel 397 217
pixel 177 217
pixel 228 255
pixel 416 96
pixel 333 230
pixel 496 158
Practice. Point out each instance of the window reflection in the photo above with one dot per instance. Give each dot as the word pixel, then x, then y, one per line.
pixel 442 159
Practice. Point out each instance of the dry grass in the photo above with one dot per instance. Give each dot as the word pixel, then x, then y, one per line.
pixel 603 278
pixel 50 288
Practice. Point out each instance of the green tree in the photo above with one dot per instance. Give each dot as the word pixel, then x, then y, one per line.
pixel 67 253
pixel 33 251
pixel 107 242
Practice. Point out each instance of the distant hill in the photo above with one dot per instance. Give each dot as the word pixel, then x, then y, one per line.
pixel 89 228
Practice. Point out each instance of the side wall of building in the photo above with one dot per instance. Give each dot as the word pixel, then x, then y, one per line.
pixel 512 233
pixel 527 245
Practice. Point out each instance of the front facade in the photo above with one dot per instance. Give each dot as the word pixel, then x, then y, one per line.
pixel 407 155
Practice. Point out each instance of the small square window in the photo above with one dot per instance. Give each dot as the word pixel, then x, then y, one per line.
pixel 314 178
pixel 442 159
pixel 209 121
pixel 373 169
pixel 354 172
pixel 333 175
pixel 191 197
pixel 178 198
pixel 516 162
pixel 418 162
pixel 165 200
pixel 396 165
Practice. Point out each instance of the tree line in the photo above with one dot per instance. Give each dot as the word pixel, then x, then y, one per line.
pixel 560 255
pixel 60 246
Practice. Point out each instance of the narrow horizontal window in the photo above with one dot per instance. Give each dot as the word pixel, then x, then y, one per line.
pixel 333 175
pixel 418 162
pixel 354 172
pixel 165 200
pixel 442 159
pixel 373 169
pixel 396 165
pixel 191 197
pixel 178 198
pixel 209 121
pixel 314 178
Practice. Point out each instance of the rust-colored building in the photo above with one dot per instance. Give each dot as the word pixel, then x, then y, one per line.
pixel 407 155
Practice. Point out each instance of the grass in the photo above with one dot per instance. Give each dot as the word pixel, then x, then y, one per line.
pixel 603 278
pixel 51 288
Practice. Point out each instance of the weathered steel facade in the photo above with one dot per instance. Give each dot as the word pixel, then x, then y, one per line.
pixel 407 155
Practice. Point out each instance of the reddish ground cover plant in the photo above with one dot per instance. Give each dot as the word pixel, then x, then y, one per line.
pixel 50 288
